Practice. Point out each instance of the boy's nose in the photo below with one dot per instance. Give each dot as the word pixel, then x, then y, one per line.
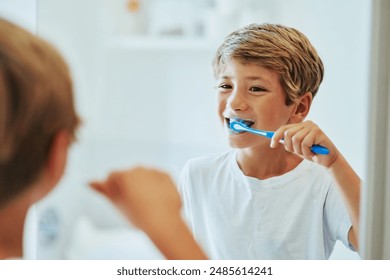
pixel 237 101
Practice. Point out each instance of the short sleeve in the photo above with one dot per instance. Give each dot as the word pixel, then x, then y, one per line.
pixel 336 218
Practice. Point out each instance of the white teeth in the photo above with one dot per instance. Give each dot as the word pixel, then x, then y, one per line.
pixel 233 119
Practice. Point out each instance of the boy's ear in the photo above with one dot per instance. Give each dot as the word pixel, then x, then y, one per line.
pixel 54 168
pixel 302 108
pixel 57 157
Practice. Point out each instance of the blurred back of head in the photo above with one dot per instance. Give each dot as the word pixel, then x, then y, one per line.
pixel 36 102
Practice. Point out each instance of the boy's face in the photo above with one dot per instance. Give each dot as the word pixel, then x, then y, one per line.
pixel 254 94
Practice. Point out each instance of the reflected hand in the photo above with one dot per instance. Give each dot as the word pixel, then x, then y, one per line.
pixel 148 197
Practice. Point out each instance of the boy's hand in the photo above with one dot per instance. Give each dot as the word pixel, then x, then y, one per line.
pixel 298 138
pixel 148 197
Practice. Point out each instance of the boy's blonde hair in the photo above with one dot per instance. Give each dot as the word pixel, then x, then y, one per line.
pixel 36 102
pixel 279 48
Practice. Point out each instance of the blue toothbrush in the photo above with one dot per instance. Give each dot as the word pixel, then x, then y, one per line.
pixel 240 127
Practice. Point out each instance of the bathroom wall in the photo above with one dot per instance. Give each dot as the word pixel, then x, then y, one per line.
pixel 144 89
pixel 22 12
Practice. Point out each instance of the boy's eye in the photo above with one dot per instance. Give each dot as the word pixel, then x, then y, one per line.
pixel 224 87
pixel 257 89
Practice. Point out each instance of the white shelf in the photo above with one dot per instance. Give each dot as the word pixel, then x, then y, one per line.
pixel 146 43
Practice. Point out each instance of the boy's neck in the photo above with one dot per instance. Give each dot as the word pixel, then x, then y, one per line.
pixel 266 163
pixel 12 218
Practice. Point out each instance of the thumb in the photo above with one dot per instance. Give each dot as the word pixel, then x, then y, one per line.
pixel 102 188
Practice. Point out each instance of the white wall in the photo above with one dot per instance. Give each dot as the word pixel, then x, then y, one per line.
pixel 22 12
pixel 153 103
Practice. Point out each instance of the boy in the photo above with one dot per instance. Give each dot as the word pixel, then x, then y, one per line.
pixel 262 199
pixel 38 122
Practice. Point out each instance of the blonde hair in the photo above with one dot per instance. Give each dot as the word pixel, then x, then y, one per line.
pixel 279 48
pixel 36 102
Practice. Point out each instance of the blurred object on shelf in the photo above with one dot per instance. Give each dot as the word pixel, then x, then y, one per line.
pixel 132 17
pixel 209 19
pixel 221 17
pixel 133 6
pixel 175 18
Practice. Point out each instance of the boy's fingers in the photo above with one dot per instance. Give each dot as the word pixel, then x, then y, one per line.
pixel 104 188
pixel 278 135
pixel 281 134
pixel 301 140
pixel 97 186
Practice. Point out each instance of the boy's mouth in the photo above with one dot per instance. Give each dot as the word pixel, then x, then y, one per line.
pixel 247 122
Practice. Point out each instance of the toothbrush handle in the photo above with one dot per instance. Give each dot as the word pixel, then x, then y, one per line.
pixel 317 149
pixel 320 150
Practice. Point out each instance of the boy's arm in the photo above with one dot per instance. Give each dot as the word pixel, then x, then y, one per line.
pixel 298 138
pixel 349 185
pixel 150 200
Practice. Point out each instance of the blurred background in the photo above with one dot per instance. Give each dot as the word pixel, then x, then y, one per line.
pixel 145 91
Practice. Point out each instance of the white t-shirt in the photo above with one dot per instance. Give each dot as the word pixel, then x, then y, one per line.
pixel 298 215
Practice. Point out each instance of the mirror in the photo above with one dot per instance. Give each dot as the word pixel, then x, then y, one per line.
pixel 145 90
